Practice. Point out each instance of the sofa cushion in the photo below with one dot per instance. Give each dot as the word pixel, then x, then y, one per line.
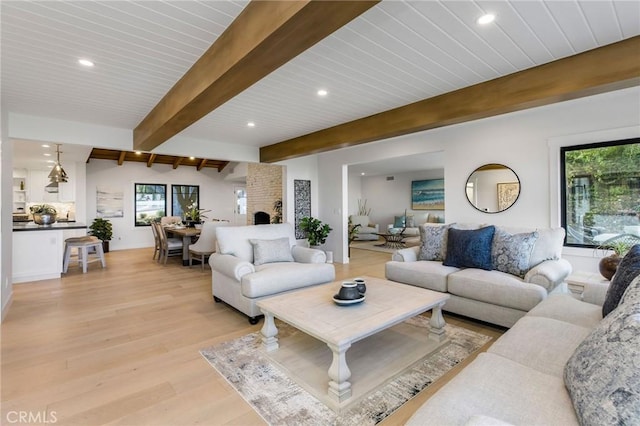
pixel 274 278
pixel 270 251
pixel 495 287
pixel 564 307
pixel 431 275
pixel 433 242
pixel 469 248
pixel 543 344
pixel 603 375
pixel 628 269
pixel 497 387
pixel 511 253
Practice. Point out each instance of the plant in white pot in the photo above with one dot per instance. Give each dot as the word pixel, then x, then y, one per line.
pixel 316 231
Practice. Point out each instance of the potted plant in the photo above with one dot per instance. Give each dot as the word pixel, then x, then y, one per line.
pixel 103 230
pixel 352 232
pixel 620 245
pixel 43 214
pixel 316 231
pixel 194 215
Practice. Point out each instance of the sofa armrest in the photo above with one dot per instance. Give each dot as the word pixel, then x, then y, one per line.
pixel 595 293
pixel 549 274
pixel 230 265
pixel 308 255
pixel 409 254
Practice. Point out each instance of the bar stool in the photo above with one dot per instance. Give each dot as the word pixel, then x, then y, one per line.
pixel 83 244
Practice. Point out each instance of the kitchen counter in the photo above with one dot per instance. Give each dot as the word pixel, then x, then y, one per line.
pixel 32 226
pixel 38 255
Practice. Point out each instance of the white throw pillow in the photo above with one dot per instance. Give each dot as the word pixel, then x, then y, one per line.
pixel 270 251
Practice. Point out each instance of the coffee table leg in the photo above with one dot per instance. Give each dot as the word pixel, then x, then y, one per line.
pixel 269 332
pixel 339 373
pixel 437 324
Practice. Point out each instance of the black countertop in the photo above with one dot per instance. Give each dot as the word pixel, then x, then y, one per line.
pixel 58 226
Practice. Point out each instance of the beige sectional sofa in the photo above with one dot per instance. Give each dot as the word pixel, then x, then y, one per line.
pixel 561 364
pixel 489 295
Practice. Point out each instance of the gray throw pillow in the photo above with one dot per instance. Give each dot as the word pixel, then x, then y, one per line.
pixel 603 374
pixel 511 253
pixel 433 242
pixel 270 251
pixel 628 269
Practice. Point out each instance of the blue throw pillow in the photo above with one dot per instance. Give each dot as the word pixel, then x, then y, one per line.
pixel 628 269
pixel 470 248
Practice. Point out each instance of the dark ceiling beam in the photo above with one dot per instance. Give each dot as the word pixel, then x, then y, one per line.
pixel 151 159
pixel 202 163
pixel 222 165
pixel 121 157
pixel 612 67
pixel 177 161
pixel 266 35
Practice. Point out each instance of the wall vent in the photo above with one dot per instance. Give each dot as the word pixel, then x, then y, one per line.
pixel 390 177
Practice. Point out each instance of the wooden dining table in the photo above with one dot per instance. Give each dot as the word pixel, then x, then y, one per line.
pixel 187 234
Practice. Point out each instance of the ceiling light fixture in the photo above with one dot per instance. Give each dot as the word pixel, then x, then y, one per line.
pixel 45 146
pixel 58 174
pixel 322 92
pixel 486 19
pixel 251 124
pixel 46 154
pixel 138 152
pixel 192 158
pixel 86 62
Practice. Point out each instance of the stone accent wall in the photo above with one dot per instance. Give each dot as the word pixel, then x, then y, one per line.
pixel 264 187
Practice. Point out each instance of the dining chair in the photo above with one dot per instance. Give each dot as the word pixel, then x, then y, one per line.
pixel 156 238
pixel 168 220
pixel 206 244
pixel 168 246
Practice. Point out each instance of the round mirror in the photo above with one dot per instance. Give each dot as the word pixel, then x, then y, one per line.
pixel 492 188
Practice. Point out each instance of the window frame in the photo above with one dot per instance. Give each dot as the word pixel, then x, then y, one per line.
pixel 563 179
pixel 180 212
pixel 135 201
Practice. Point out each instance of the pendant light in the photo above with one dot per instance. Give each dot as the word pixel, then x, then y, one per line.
pixel 58 174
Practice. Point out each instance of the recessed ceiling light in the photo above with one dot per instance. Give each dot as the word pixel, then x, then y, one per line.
pixel 50 161
pixel 86 62
pixel 192 158
pixel 251 124
pixel 138 152
pixel 46 154
pixel 362 174
pixel 45 146
pixel 322 92
pixel 486 19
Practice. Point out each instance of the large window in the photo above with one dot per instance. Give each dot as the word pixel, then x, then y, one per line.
pixel 600 191
pixel 151 203
pixel 183 196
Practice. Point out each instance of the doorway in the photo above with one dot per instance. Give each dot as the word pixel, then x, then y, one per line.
pixel 240 212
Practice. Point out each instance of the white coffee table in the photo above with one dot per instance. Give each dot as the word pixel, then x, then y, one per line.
pixel 313 311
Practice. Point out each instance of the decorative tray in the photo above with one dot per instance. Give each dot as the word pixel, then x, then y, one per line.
pixel 345 302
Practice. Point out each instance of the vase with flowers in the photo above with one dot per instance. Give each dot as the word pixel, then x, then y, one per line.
pixel 194 215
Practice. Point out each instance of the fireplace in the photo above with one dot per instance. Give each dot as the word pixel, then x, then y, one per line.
pixel 261 218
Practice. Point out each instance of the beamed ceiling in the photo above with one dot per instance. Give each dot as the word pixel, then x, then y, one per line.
pixel 150 159
pixel 203 69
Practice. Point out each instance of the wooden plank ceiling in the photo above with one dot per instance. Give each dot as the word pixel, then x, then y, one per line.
pixel 150 159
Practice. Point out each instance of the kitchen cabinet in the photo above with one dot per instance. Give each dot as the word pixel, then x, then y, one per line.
pixel 39 179
pixel 19 195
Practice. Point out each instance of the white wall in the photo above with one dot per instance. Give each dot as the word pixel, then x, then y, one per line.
pixel 518 140
pixel 389 198
pixel 6 207
pixel 216 195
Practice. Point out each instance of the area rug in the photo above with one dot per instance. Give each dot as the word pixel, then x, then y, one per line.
pixel 281 401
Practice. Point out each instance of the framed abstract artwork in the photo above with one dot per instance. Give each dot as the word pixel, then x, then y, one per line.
pixel 427 194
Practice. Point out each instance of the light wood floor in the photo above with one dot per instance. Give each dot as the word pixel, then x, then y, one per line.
pixel 120 346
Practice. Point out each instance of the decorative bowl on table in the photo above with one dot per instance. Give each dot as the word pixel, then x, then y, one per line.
pixel 394 231
pixel 348 294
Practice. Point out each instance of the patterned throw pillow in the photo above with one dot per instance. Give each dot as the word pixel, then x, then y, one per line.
pixel 469 248
pixel 511 253
pixel 433 242
pixel 603 374
pixel 270 251
pixel 628 269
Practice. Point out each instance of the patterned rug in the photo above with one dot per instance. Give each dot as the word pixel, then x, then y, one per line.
pixel 281 401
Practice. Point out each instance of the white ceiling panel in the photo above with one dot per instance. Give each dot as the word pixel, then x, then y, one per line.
pixel 396 53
